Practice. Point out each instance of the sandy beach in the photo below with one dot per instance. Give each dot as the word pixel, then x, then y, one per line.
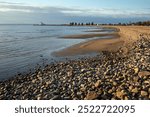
pixel 124 36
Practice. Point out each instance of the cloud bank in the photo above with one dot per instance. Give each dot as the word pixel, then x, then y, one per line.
pixel 22 13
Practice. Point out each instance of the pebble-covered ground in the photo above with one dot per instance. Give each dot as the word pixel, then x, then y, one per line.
pixel 121 75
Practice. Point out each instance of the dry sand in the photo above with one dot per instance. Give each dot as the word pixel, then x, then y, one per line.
pixel 128 35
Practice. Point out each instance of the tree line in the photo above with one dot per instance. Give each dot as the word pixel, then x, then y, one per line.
pixel 140 23
pixel 81 24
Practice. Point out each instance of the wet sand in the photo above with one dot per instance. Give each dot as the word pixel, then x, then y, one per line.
pixel 92 46
pixel 86 36
pixel 124 36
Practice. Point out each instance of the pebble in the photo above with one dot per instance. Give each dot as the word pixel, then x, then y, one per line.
pixel 91 95
pixel 120 94
pixel 56 97
pixel 144 93
pixel 135 90
pixel 97 84
pixel 136 70
pixel 143 73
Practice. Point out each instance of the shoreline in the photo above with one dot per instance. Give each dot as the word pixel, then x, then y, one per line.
pixel 120 75
pixel 123 36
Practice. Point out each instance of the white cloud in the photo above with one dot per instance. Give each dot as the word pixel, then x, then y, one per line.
pixel 12 7
pixel 15 12
pixel 11 3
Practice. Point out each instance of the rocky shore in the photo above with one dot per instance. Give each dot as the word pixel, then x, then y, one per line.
pixel 124 74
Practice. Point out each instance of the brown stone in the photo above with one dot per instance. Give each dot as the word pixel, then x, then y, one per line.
pixel 97 84
pixel 126 98
pixel 114 83
pixel 136 70
pixel 130 88
pixel 125 50
pixel 143 73
pixel 135 90
pixel 144 93
pixel 120 94
pixel 91 95
pixel 135 79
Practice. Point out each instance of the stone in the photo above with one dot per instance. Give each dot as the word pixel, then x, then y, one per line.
pixel 48 83
pixel 110 91
pixel 120 94
pixel 38 98
pixel 69 74
pixel 135 90
pixel 89 79
pixel 136 70
pixel 34 81
pixel 126 98
pixel 115 83
pixel 147 82
pixel 97 84
pixel 144 93
pixel 143 73
pixel 135 79
pixel 79 93
pixel 56 97
pixel 91 95
pixel 130 88
pixel 125 50
pixel 82 85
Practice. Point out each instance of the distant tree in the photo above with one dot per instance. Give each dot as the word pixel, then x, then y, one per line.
pixel 124 24
pixel 71 23
pixel 79 24
pixel 75 23
pixel 119 23
pixel 139 23
pixel 92 23
pixel 82 24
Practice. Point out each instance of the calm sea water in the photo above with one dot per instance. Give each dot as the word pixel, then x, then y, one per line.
pixel 22 47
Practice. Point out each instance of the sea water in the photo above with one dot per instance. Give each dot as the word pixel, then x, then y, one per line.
pixel 22 47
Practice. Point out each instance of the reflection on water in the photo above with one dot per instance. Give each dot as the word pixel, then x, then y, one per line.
pixel 23 46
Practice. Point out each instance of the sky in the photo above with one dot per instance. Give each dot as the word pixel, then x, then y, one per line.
pixel 65 11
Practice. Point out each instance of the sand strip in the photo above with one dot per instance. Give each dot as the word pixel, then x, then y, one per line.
pixel 128 35
pixel 92 35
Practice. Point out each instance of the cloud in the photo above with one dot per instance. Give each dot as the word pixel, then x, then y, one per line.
pixel 19 12
pixel 11 3
pixel 19 7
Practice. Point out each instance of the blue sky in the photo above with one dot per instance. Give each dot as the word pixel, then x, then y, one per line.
pixel 64 11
